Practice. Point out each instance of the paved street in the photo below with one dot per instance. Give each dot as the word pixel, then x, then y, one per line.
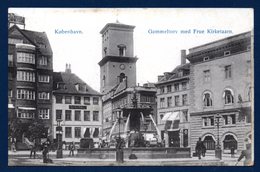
pixel 21 158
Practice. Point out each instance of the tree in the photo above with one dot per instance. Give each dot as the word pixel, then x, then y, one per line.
pixel 36 129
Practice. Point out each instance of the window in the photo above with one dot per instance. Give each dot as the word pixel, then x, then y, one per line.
pixel 205 58
pixel 25 114
pixel 208 121
pixel 61 85
pixel 229 119
pixel 185 116
pixel 86 115
pixel 206 75
pixel 162 102
pixel 10 60
pixel 67 115
pixel 43 60
pixel 58 114
pixel 143 98
pixel 176 87
pixel 87 100
pixel 77 100
pixel 184 85
pixel 44 114
pixel 10 93
pixel 249 93
pixel 25 76
pixel 43 95
pixel 25 58
pixel 169 88
pixel 184 99
pixel 67 99
pixel 95 100
pixel 162 89
pixel 25 94
pixel 68 132
pixel 96 133
pixel 228 72
pixel 177 100
pixel 228 96
pixel 44 78
pixel 14 41
pixel 59 99
pixel 226 53
pixel 95 116
pixel 207 100
pixel 169 101
pixel 121 49
pixel 77 115
pixel 77 132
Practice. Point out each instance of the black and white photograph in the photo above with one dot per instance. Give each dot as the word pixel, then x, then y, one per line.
pixel 130 87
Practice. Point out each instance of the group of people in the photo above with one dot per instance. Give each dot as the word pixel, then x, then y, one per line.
pixel 246 154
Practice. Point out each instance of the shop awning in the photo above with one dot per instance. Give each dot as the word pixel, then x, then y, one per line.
pixel 171 116
pixel 26 108
pixel 10 106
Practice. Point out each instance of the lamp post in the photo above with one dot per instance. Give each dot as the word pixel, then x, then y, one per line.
pixel 119 150
pixel 59 139
pixel 218 151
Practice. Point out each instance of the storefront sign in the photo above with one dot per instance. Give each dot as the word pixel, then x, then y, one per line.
pixel 77 107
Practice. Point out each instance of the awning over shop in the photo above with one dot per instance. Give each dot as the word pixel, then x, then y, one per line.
pixel 26 108
pixel 172 121
pixel 171 116
pixel 10 106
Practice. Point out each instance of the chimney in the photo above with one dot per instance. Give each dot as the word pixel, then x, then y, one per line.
pixel 68 69
pixel 183 57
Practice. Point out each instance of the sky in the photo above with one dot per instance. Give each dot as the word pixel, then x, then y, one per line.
pixel 157 53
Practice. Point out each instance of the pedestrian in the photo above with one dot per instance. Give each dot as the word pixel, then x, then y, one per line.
pixel 247 155
pixel 33 150
pixel 13 144
pixel 44 154
pixel 199 148
pixel 71 148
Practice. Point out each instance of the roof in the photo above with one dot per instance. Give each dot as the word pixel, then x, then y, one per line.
pixel 169 76
pixel 71 80
pixel 116 25
pixel 36 38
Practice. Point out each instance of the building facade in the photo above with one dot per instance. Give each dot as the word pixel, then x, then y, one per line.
pixel 173 105
pixel 118 81
pixel 77 107
pixel 221 96
pixel 30 68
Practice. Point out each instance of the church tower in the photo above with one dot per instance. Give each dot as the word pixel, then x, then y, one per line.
pixel 118 63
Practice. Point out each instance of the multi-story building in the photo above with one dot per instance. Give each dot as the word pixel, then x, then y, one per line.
pixel 173 105
pixel 29 79
pixel 118 79
pixel 221 84
pixel 76 106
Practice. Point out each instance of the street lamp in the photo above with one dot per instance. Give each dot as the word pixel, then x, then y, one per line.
pixel 218 151
pixel 59 139
pixel 119 150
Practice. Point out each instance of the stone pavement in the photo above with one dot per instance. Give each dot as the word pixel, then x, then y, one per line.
pixel 21 158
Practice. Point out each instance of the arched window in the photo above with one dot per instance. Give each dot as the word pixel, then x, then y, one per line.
pixel 228 96
pixel 209 143
pixel 121 77
pixel 229 142
pixel 122 49
pixel 207 99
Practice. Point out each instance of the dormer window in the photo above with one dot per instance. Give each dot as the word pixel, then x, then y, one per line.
pixel 122 49
pixel 205 58
pixel 226 53
pixel 81 87
pixel 61 85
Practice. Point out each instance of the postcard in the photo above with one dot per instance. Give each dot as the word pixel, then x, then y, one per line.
pixel 130 87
